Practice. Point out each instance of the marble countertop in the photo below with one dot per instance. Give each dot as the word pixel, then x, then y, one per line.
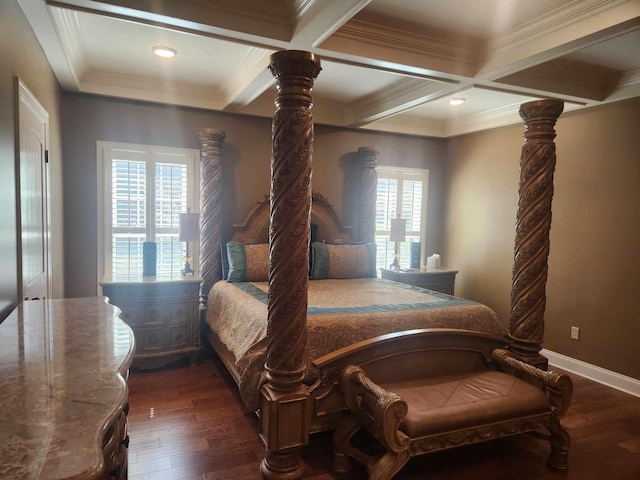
pixel 63 365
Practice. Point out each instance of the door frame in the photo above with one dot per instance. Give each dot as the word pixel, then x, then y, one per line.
pixel 25 97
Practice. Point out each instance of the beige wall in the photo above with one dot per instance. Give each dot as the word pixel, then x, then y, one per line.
pixel 594 263
pixel 21 56
pixel 246 165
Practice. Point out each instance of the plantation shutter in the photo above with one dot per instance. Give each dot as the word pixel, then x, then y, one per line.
pixel 399 192
pixel 145 193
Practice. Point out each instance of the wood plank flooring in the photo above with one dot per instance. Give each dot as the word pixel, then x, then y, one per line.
pixel 189 423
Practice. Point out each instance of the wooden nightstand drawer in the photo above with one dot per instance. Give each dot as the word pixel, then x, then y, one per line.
pixel 178 336
pixel 153 339
pixel 153 314
pixel 179 312
pixel 130 313
pixel 163 315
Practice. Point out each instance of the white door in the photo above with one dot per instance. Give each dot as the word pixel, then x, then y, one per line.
pixel 33 197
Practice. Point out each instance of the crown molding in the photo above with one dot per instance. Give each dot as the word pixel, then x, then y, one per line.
pixel 554 21
pixel 151 90
pixel 71 39
pixel 39 16
pixel 300 7
pixel 408 125
pixel 244 87
pixel 630 78
pixel 397 98
pixel 576 25
pixel 494 118
pixel 453 58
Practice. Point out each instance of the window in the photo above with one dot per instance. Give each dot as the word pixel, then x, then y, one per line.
pixel 401 192
pixel 143 191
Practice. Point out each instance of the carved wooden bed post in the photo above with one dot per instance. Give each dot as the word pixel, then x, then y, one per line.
pixel 285 416
pixel 368 159
pixel 533 223
pixel 210 209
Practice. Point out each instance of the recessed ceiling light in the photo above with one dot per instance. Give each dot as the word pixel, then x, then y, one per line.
pixel 457 101
pixel 164 52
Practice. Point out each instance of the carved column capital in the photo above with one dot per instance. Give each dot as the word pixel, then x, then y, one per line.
pixel 533 224
pixel 211 138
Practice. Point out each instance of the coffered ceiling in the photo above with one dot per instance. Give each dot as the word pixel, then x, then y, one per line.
pixel 389 65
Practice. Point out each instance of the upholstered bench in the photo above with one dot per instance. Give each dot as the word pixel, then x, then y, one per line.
pixel 415 415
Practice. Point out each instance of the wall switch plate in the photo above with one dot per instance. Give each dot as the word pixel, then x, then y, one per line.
pixel 575 333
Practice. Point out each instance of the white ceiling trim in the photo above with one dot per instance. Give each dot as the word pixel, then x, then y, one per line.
pixel 397 98
pixel 256 86
pixel 393 45
pixel 406 124
pixel 71 39
pixel 125 86
pixel 557 20
pixel 630 78
pixel 42 24
pixel 249 82
pixel 580 24
pixel 321 18
pixel 249 27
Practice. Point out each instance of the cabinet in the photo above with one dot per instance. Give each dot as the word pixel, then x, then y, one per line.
pixel 115 447
pixel 163 315
pixel 438 279
pixel 63 391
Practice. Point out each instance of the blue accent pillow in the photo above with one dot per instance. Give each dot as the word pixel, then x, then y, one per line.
pixel 248 262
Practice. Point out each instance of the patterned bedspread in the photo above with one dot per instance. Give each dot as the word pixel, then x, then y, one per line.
pixel 340 313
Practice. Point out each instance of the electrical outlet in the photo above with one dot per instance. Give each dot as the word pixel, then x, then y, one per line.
pixel 575 333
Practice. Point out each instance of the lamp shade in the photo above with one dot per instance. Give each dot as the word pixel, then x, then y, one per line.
pixel 398 228
pixel 189 227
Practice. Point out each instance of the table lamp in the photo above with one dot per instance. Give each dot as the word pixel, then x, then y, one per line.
pixel 397 235
pixel 189 232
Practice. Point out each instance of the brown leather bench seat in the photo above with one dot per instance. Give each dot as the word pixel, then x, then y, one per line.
pixel 463 388
pixel 442 404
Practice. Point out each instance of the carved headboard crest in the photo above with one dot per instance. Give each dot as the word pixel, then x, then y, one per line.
pixel 255 226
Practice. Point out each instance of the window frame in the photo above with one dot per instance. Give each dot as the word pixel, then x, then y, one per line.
pixel 151 155
pixel 401 174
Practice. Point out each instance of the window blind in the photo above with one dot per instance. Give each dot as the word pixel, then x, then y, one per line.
pixel 146 189
pixel 399 192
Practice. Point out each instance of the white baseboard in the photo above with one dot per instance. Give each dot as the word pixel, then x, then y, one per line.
pixel 597 374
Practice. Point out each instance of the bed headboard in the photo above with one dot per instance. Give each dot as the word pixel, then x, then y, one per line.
pixel 330 229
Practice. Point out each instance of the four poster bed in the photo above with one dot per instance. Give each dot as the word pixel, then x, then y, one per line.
pixel 284 337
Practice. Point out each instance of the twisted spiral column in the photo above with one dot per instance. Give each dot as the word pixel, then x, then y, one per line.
pixel 368 157
pixel 533 223
pixel 210 209
pixel 285 403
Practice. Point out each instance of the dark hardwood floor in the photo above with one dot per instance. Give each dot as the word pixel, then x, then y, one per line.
pixel 189 423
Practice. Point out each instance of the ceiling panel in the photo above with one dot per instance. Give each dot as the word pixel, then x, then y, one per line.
pixel 387 64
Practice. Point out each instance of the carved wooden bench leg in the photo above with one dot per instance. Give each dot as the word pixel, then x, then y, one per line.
pixel 560 442
pixel 388 465
pixel 342 443
pixel 383 468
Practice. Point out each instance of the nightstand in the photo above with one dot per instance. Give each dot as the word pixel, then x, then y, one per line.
pixel 163 315
pixel 438 279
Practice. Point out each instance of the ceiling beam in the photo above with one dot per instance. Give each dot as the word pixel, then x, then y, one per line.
pixel 42 25
pixel 255 85
pixel 252 22
pixel 561 32
pixel 319 19
pixel 399 97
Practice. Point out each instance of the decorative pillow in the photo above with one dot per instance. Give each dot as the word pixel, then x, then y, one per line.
pixel 248 262
pixel 343 261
